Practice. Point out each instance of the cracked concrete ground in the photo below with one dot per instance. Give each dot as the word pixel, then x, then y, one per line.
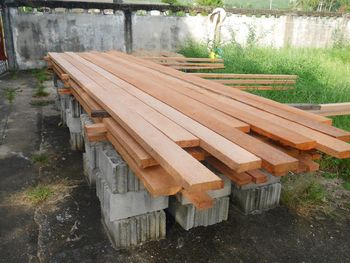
pixel 67 227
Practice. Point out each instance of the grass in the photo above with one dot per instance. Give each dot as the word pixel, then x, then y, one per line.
pixel 40 91
pixel 39 194
pixel 40 75
pixel 40 158
pixel 324 77
pixel 302 191
pixel 346 186
pixel 10 94
pixel 41 103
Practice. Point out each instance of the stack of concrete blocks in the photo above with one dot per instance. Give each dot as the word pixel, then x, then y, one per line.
pixel 74 124
pixel 188 216
pixel 257 198
pixel 70 115
pixel 90 156
pixel 129 213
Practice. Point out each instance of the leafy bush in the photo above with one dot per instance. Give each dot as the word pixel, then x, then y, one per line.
pixel 214 3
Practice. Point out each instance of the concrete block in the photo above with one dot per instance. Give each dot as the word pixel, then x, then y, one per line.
pixel 64 101
pixel 188 216
pixel 74 107
pixel 253 199
pixel 85 120
pixel 76 141
pixel 89 171
pixel 116 172
pixel 136 230
pixel 73 123
pixel 120 206
pixel 55 79
pixel 226 191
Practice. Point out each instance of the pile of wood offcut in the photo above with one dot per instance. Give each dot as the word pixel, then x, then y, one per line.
pixel 170 126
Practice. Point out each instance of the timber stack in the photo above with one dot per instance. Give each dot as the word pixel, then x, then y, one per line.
pixel 157 138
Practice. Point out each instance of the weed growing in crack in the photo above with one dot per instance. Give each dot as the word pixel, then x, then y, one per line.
pixel 40 158
pixel 10 94
pixel 40 91
pixel 39 194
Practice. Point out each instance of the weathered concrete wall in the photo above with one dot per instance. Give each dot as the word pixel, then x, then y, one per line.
pixel 158 32
pixel 36 34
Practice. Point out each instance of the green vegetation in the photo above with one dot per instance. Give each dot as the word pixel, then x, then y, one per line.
pixel 41 103
pixel 40 75
pixel 40 91
pixel 40 158
pixel 324 77
pixel 346 186
pixel 39 194
pixel 301 191
pixel 214 3
pixel 10 94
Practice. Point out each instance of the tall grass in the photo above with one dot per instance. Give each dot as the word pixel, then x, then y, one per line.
pixel 324 77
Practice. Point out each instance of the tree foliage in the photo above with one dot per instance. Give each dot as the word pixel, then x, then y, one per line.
pixel 323 5
pixel 213 3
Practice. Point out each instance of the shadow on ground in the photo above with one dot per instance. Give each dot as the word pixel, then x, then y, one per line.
pixel 67 227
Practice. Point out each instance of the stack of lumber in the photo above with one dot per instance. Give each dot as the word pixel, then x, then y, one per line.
pixel 252 81
pixel 184 63
pixel 166 123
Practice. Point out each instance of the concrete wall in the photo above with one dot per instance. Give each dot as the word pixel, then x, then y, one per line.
pixel 33 35
pixel 158 32
pixel 36 34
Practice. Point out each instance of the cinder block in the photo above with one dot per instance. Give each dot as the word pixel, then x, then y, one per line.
pixel 55 79
pixel 188 216
pixel 85 120
pixel 76 141
pixel 89 171
pixel 253 199
pixel 226 191
pixel 136 230
pixel 73 123
pixel 74 107
pixel 64 101
pixel 120 206
pixel 116 172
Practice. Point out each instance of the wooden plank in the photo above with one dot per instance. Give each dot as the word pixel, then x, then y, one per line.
pixel 344 106
pixel 273 107
pixel 273 160
pixel 95 128
pixel 200 200
pixel 141 157
pixel 325 143
pixel 254 81
pixel 234 108
pixel 184 168
pixel 91 107
pixel 175 132
pixel 232 155
pixel 192 108
pixel 156 180
pixel 243 76
pixel 191 64
pixel 238 178
pixel 262 87
pixel 258 176
pixel 307 164
pixel 196 67
pixel 341 149
pixel 184 59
